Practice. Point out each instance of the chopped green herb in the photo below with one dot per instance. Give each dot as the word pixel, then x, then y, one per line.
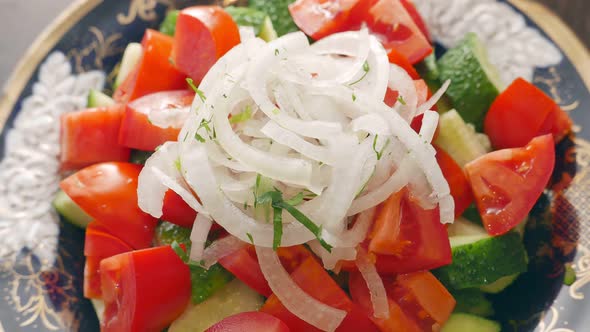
pixel 277 222
pixel 199 138
pixel 243 116
pixel 191 83
pixel 296 200
pixel 177 164
pixel 353 97
pixel 185 137
pixel 276 111
pixel 366 69
pixel 570 275
pixel 276 51
pixel 250 237
pixel 401 100
pixel 380 153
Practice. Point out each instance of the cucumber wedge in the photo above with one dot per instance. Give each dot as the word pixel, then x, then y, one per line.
pixel 71 212
pixel 460 140
pixel 168 26
pixel 233 299
pixel 131 57
pixel 500 284
pixel 167 233
pixel 460 322
pixel 480 260
pixel 472 301
pixel 98 99
pixel 278 12
pixel 475 82
pixel 257 19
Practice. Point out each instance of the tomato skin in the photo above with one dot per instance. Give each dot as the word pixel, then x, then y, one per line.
pixel 88 137
pixel 137 132
pixel 386 228
pixel 154 72
pixel 416 17
pixel 177 211
pixel 397 321
pixel 108 193
pixel 250 321
pixel 460 188
pixel 320 18
pixel 144 290
pixel 422 243
pixel 244 265
pixel 507 183
pixel 523 112
pixel 400 60
pixel 392 23
pixel 314 280
pixel 203 35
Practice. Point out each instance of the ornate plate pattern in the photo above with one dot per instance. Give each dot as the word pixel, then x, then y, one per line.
pixel 41 259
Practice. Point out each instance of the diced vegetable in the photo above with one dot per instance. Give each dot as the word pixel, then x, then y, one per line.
pixel 475 82
pixel 139 132
pixel 473 301
pixel 523 112
pixel 153 72
pixel 98 99
pixel 399 59
pixel 234 298
pixel 500 284
pixel 168 26
pixel 203 35
pixel 108 192
pixel 459 139
pixel 90 136
pixel 250 321
pixel 131 57
pixel 177 211
pixel 480 260
pixel 460 322
pixel 167 233
pixel 205 283
pixel 460 189
pixel 244 265
pixel 257 19
pixel 507 183
pixel 335 16
pixel 70 210
pixel 386 228
pixel 134 285
pixel 278 11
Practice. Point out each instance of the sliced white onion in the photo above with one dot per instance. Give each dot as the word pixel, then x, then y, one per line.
pixel 246 33
pixel 434 99
pixel 374 283
pixel 170 118
pixel 198 237
pixel 331 259
pixel 296 300
pixel 429 125
pixel 400 81
pixel 221 248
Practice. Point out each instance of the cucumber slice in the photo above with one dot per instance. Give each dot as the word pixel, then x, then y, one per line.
pixel 475 81
pixel 278 11
pixel 167 233
pixel 257 19
pixel 98 99
pixel 480 260
pixel 131 57
pixel 460 322
pixel 459 139
pixel 233 299
pixel 168 26
pixel 71 212
pixel 500 284
pixel 472 301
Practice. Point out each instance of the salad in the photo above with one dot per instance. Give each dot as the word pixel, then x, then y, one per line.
pixel 305 166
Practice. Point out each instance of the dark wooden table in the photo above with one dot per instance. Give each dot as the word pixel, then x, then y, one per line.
pixel 575 13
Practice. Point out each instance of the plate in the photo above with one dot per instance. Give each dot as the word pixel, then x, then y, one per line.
pixel 41 261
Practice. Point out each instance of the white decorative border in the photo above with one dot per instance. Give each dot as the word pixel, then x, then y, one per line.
pixel 29 172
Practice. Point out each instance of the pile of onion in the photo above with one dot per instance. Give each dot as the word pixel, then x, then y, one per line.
pixel 311 120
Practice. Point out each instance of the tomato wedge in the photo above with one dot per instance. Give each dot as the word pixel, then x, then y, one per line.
pixel 386 228
pixel 177 211
pixel 138 132
pixel 523 112
pixel 154 72
pixel 203 35
pixel 507 183
pixel 422 243
pixel 144 290
pixel 400 60
pixel 460 188
pixel 88 137
pixel 392 23
pixel 108 193
pixel 250 321
pixel 413 11
pixel 314 280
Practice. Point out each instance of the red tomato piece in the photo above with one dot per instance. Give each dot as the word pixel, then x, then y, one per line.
pixel 507 183
pixel 413 11
pixel 386 228
pixel 177 211
pixel 244 265
pixel 92 278
pixel 90 136
pixel 397 321
pixel 392 23
pixel 144 290
pixel 523 112
pixel 203 35
pixel 460 188
pixel 424 291
pixel 320 18
pixel 422 243
pixel 137 132
pixel 250 321
pixel 108 193
pixel 314 280
pixel 400 60
pixel 154 72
